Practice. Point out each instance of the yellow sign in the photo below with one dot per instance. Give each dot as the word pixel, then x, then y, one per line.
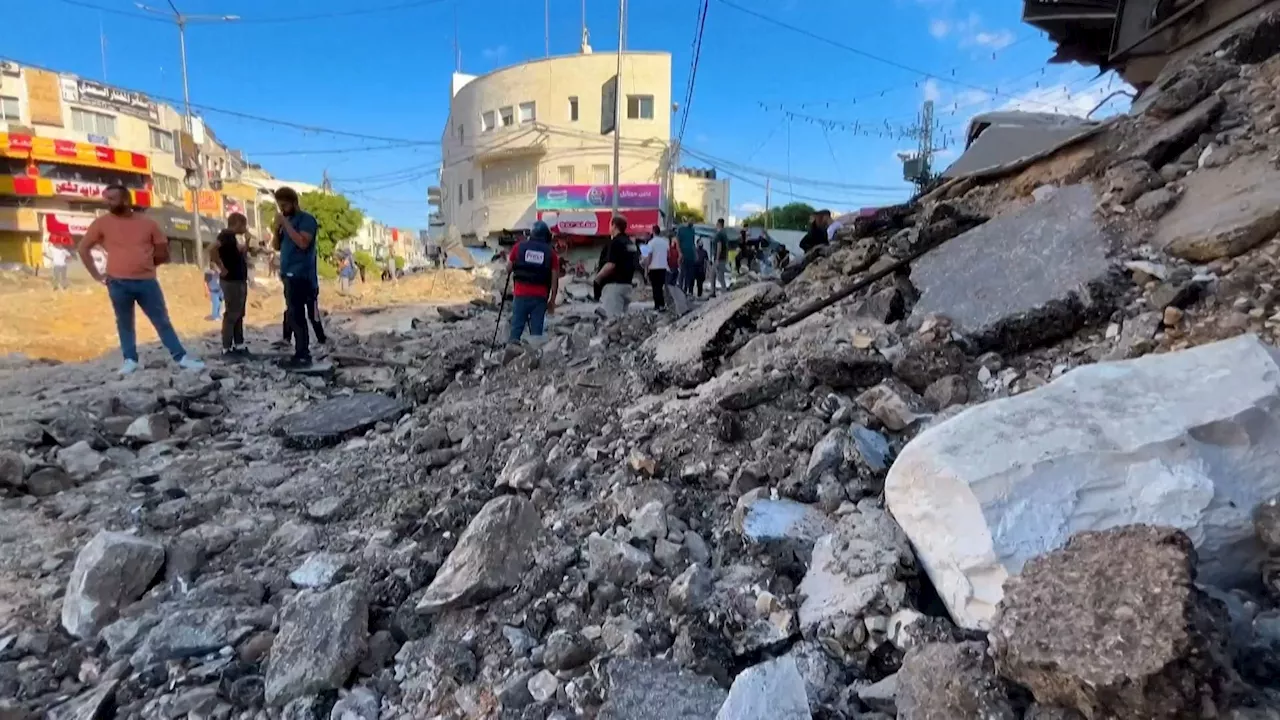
pixel 44 97
pixel 210 202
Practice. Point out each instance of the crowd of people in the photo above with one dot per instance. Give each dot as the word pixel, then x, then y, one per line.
pixel 674 258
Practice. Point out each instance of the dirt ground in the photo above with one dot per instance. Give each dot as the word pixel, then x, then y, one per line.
pixel 78 324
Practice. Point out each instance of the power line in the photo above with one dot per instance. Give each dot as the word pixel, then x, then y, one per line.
pixel 263 20
pixel 786 177
pixel 414 146
pixel 862 53
pixel 693 68
pixel 114 11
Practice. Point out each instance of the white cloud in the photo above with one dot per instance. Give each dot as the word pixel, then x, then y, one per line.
pixel 995 40
pixel 749 208
pixel 939 28
pixel 932 91
pixel 1068 100
pixel 494 53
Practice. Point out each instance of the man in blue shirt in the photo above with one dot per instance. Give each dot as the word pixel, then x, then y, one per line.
pixel 687 242
pixel 296 237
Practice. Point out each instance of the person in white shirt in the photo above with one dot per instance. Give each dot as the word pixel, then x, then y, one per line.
pixel 57 257
pixel 655 263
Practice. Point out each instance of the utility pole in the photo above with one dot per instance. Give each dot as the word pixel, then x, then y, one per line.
pixel 546 23
pixel 617 104
pixel 768 220
pixel 195 182
pixel 102 41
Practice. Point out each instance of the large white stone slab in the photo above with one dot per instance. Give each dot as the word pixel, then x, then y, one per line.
pixel 1188 439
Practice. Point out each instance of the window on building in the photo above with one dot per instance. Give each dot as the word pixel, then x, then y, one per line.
pixel 168 187
pixel 459 194
pixel 462 134
pixel 9 109
pixel 640 107
pixel 566 174
pixel 486 121
pixel 471 189
pixel 508 116
pixel 600 174
pixel 528 113
pixel 573 109
pixel 93 123
pixel 509 178
pixel 162 140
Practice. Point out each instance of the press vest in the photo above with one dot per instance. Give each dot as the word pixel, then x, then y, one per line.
pixel 533 263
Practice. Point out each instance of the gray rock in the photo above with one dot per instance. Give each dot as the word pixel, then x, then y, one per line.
pixel 1129 179
pixel 513 693
pixel 320 570
pixel 691 589
pixel 650 522
pixel 894 404
pixel 940 681
pixel 785 525
pixel 614 562
pixel 292 538
pixel 922 363
pixel 688 351
pixel 81 461
pixel 823 676
pixel 1166 141
pixel 48 481
pixel 772 690
pixel 111 571
pixel 1153 205
pixel 89 705
pixel 190 633
pixel 1224 211
pixel 12 469
pixel 331 421
pixel 1266 524
pixel 872 447
pixel 491 557
pixel 881 696
pixel 860 569
pixel 565 650
pixel 524 468
pixel 149 429
pixel 327 509
pixel 830 454
pixel 658 690
pixel 1166 651
pixel 361 703
pixel 519 639
pixel 1015 282
pixel 754 391
pixel 125 635
pixel 321 639
pixel 543 686
pixel 947 391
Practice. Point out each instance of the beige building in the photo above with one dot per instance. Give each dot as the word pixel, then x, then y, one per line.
pixel 702 190
pixel 539 123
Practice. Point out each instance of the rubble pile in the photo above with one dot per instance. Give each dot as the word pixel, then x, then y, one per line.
pixel 1031 476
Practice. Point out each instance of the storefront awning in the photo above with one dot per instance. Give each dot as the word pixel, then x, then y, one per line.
pixel 176 224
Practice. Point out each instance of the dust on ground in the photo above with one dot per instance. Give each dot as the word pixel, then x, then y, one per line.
pixel 78 324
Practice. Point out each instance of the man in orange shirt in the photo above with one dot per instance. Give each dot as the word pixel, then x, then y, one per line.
pixel 135 246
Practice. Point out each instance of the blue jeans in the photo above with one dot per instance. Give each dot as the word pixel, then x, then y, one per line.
pixel 215 300
pixel 149 297
pixel 688 273
pixel 531 311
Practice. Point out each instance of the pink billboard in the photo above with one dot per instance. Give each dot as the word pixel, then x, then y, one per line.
pixel 597 197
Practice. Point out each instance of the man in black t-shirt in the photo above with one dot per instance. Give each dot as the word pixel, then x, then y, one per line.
pixel 619 269
pixel 233 268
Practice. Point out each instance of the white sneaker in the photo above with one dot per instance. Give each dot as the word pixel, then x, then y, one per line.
pixel 189 363
pixel 129 367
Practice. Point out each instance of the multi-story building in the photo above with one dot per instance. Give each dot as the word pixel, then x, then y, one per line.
pixel 536 140
pixel 63 139
pixel 702 190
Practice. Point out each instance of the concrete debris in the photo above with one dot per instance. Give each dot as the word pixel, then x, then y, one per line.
pixel 1152 456
pixel 723 510
pixel 1053 276
pixel 111 571
pixel 1134 586
pixel 769 691
pixel 490 557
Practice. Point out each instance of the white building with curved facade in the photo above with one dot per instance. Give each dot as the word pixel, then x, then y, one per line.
pixel 539 123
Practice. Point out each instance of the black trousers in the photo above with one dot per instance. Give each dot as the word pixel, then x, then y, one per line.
pixel 299 309
pixel 658 281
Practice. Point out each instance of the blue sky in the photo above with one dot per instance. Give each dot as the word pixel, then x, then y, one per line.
pixel 762 90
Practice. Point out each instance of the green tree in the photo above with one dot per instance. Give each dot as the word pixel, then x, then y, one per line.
pixel 366 260
pixel 792 216
pixel 339 220
pixel 687 213
pixel 267 216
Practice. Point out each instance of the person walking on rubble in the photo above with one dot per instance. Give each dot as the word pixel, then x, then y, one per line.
pixel 535 270
pixel 295 235
pixel 230 259
pixel 134 247
pixel 618 271
pixel 655 264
